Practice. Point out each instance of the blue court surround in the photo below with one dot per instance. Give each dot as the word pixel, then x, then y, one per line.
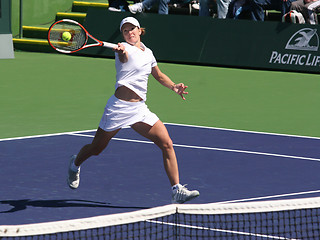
pixel 224 165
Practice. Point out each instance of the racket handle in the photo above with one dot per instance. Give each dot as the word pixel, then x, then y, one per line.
pixel 109 45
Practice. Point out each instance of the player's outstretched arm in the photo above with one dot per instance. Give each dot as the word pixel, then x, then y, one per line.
pixel 167 82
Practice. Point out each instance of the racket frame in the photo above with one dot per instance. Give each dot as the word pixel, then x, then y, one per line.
pixel 85 45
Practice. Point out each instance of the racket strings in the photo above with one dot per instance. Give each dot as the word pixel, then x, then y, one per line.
pixel 78 36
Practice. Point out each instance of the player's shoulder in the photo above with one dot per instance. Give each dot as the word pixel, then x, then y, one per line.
pixel 148 50
pixel 126 45
pixel 132 49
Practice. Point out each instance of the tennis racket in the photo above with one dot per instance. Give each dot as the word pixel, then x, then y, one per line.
pixel 69 36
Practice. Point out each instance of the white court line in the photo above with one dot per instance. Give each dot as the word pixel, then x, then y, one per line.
pixel 243 131
pixel 45 135
pixel 221 230
pixel 209 148
pixel 269 197
pixel 173 124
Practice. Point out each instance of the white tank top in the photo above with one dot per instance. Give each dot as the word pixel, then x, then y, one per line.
pixel 134 74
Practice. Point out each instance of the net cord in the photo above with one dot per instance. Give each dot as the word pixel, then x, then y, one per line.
pixel 149 214
pixel 250 207
pixel 85 223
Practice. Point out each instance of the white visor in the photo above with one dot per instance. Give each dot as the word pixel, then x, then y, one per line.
pixel 131 20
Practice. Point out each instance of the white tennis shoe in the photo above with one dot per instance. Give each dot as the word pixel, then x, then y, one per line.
pixel 181 194
pixel 73 177
pixel 136 8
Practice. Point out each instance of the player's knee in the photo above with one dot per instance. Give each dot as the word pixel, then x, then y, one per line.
pixel 167 144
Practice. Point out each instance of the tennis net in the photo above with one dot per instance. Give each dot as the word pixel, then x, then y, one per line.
pixel 278 219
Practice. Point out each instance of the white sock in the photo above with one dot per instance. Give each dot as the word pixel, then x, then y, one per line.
pixel 74 167
pixel 175 187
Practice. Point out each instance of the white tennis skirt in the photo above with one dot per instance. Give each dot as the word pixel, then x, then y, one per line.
pixel 119 114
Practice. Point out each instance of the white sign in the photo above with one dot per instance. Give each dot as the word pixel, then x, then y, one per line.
pixel 305 39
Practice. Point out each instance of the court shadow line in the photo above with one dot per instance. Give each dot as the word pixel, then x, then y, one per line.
pixel 23 204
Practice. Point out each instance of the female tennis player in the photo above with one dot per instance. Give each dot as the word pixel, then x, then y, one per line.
pixel 134 63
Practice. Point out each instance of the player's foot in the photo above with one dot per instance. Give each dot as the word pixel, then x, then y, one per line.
pixel 181 194
pixel 136 8
pixel 73 177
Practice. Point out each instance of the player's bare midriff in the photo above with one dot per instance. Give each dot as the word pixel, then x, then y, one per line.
pixel 127 94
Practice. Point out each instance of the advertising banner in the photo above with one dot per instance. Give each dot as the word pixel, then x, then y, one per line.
pixel 300 50
pixel 218 42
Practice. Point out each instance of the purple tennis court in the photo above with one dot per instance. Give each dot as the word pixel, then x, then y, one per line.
pixel 224 165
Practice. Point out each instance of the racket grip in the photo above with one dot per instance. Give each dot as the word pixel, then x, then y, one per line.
pixel 109 45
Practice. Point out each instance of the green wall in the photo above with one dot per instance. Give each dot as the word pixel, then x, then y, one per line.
pixel 218 42
pixel 40 12
pixel 37 12
pixel 5 17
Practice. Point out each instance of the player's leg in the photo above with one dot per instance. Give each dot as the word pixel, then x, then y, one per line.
pixel 159 135
pixel 99 143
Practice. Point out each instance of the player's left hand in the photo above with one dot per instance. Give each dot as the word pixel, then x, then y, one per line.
pixel 180 89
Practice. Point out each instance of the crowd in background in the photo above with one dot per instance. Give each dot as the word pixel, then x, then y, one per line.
pixel 297 11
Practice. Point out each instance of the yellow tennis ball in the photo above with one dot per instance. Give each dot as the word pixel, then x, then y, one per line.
pixel 66 36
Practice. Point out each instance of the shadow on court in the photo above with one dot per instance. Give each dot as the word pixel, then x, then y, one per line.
pixel 23 204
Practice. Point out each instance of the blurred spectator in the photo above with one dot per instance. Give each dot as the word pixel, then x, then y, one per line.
pixel 254 9
pixel 148 4
pixel 222 7
pixel 118 5
pixel 308 8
